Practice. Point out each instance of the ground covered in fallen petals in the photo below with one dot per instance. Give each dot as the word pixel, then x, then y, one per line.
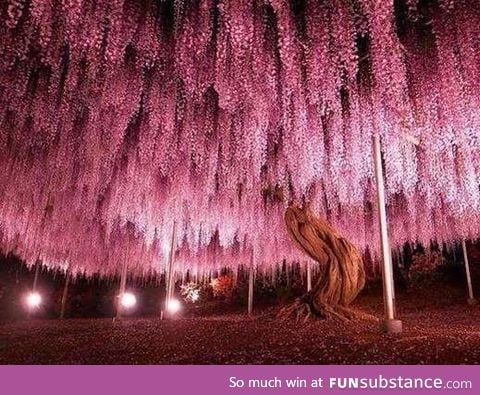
pixel 432 335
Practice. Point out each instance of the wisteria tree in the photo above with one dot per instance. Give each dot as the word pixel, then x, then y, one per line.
pixel 119 117
pixel 343 273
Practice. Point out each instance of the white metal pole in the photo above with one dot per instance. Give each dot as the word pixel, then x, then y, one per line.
pixel 287 273
pixel 250 284
pixel 123 284
pixel 471 298
pixel 65 294
pixel 390 324
pixel 35 278
pixel 170 275
pixel 309 276
pixel 235 276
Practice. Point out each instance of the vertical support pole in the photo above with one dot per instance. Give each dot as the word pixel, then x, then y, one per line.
pixel 35 278
pixel 393 287
pixel 123 284
pixel 235 276
pixel 471 299
pixel 65 294
pixel 287 274
pixel 251 274
pixel 170 274
pixel 35 281
pixel 390 324
pixel 274 275
pixel 309 276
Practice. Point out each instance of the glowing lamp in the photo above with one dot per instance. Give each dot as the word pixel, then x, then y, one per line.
pixel 33 300
pixel 128 300
pixel 173 305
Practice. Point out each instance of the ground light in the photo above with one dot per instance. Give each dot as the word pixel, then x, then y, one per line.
pixel 173 306
pixel 128 300
pixel 33 300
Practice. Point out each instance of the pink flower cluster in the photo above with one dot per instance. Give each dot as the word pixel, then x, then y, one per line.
pixel 118 118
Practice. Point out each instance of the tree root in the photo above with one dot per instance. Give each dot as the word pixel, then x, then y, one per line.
pixel 302 310
pixel 297 310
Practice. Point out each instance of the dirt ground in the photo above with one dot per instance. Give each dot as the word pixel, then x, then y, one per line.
pixel 436 331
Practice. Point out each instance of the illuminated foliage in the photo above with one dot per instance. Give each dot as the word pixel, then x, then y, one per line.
pixel 117 117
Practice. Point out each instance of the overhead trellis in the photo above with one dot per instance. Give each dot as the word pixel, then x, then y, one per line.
pixel 119 117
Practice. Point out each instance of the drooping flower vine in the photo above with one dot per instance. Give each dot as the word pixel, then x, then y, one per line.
pixel 119 118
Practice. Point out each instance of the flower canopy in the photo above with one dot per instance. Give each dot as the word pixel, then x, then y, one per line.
pixel 120 117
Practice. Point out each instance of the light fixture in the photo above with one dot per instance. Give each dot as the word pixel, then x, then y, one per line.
pixel 33 300
pixel 128 300
pixel 173 305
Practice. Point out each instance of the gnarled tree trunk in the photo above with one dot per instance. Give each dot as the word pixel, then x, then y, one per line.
pixel 344 275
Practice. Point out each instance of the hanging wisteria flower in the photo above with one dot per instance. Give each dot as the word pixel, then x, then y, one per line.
pixel 118 118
